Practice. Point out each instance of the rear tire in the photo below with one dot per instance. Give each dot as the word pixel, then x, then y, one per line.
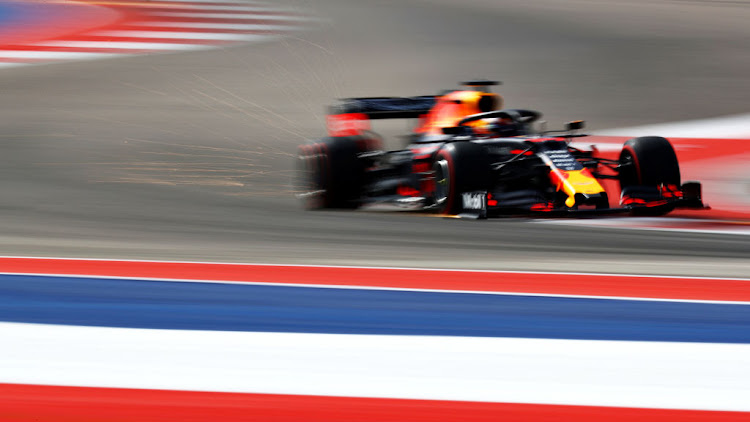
pixel 459 167
pixel 330 174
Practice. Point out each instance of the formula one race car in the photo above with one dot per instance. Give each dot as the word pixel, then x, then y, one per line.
pixel 468 156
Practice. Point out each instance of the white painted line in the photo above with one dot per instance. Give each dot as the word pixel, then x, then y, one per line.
pixel 701 376
pixel 124 45
pixel 235 16
pixel 225 26
pixel 53 55
pixel 738 232
pixel 10 65
pixel 734 127
pixel 682 225
pixel 183 35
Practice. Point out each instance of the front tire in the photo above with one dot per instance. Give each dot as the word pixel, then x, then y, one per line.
pixel 459 167
pixel 646 164
pixel 649 161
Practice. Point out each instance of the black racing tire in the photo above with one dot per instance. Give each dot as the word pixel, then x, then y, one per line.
pixel 648 161
pixel 330 174
pixel 459 167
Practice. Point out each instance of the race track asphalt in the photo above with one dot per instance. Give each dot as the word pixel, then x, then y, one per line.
pixel 189 156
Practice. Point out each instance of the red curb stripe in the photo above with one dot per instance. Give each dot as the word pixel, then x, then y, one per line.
pixel 124 18
pixel 88 404
pixel 631 286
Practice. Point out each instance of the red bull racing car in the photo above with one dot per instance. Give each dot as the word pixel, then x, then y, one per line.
pixel 468 156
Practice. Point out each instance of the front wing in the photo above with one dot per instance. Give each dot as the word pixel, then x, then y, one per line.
pixel 480 204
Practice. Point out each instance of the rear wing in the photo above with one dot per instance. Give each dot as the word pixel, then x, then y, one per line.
pixel 386 107
pixel 351 116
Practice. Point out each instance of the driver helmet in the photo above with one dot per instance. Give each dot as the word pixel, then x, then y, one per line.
pixel 499 126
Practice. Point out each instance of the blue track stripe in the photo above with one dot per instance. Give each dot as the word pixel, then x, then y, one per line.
pixel 8 14
pixel 15 15
pixel 230 307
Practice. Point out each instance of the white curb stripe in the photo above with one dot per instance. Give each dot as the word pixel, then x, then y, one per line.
pixel 570 372
pixel 124 45
pixel 730 127
pixel 52 55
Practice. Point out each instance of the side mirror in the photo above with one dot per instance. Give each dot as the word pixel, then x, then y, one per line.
pixel 574 125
